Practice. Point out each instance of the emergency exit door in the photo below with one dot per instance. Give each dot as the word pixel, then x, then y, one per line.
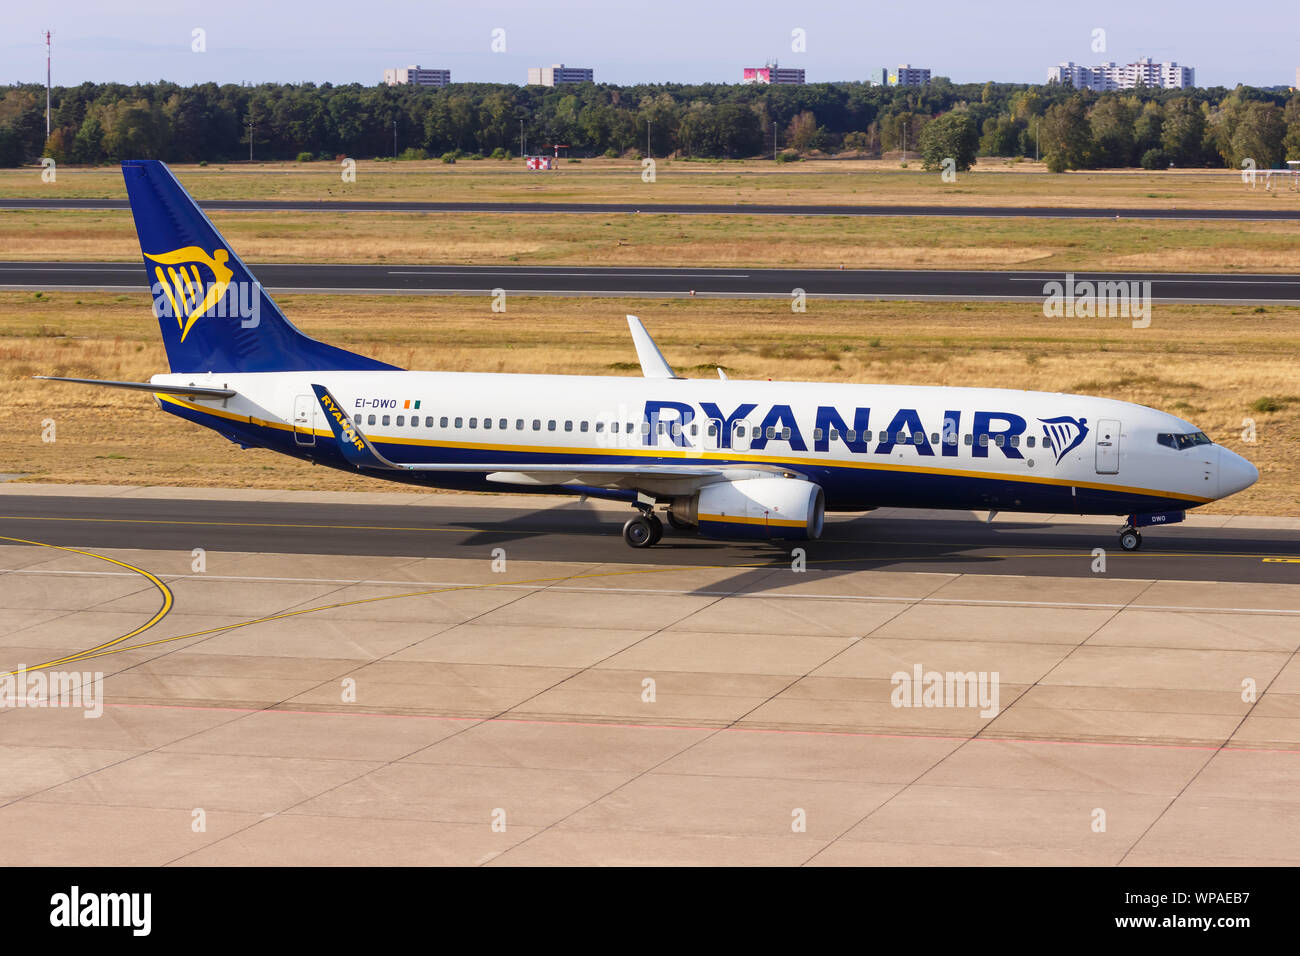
pixel 1107 447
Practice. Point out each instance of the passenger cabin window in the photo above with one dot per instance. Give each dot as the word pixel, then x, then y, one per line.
pixel 473 423
pixel 537 424
pixel 502 423
pixel 1184 441
pixel 568 426
pixel 428 421
pixel 519 424
pixel 582 426
pixel 550 425
pixel 460 422
pixel 487 423
pixel 984 441
pixel 370 420
pixel 1029 442
pixel 969 440
pixel 600 427
pixel 817 434
pixel 385 420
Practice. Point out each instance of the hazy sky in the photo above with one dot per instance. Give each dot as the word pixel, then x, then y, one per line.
pixel 343 41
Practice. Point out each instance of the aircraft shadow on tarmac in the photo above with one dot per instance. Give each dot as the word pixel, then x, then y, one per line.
pixel 578 533
pixel 961 544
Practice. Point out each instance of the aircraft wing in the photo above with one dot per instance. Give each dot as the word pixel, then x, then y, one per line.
pixel 677 479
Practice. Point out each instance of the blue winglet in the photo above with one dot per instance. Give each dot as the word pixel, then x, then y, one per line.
pixel 356 448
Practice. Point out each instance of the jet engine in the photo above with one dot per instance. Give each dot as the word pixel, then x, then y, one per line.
pixel 763 508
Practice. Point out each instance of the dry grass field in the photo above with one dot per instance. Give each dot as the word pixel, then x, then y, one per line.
pixel 670 240
pixel 1214 365
pixel 995 182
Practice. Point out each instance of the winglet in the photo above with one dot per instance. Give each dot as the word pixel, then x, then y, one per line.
pixel 356 447
pixel 653 364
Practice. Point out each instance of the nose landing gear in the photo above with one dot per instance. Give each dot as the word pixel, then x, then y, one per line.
pixel 1130 538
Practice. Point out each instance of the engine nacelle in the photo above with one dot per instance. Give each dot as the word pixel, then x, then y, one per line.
pixel 763 508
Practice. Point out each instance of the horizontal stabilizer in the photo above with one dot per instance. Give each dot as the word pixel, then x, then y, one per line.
pixel 193 391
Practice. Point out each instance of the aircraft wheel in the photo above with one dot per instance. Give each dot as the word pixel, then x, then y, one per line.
pixel 1130 539
pixel 658 527
pixel 640 533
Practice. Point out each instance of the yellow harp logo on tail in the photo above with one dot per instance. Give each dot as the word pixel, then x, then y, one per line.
pixel 193 282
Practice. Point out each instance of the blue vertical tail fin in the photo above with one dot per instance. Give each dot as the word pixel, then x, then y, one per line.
pixel 214 315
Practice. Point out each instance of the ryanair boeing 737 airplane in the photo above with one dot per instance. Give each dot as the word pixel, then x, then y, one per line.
pixel 727 459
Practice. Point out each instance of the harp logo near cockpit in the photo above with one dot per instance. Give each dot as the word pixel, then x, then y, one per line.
pixel 1064 434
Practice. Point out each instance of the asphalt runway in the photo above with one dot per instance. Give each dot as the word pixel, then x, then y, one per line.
pixel 904 284
pixel 564 530
pixel 686 209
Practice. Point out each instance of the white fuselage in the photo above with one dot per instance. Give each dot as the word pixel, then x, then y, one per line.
pixel 869 445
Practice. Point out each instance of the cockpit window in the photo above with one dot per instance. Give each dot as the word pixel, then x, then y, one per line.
pixel 1184 441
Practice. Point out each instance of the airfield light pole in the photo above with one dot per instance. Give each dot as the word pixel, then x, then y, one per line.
pixel 394 137
pixel 47 83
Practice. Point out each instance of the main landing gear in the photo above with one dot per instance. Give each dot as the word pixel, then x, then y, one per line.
pixel 644 530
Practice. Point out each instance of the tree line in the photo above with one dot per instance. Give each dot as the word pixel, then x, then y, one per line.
pixel 105 122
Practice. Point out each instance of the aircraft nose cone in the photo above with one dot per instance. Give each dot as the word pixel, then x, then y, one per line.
pixel 1235 473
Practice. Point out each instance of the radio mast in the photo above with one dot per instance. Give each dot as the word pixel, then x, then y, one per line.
pixel 48 34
